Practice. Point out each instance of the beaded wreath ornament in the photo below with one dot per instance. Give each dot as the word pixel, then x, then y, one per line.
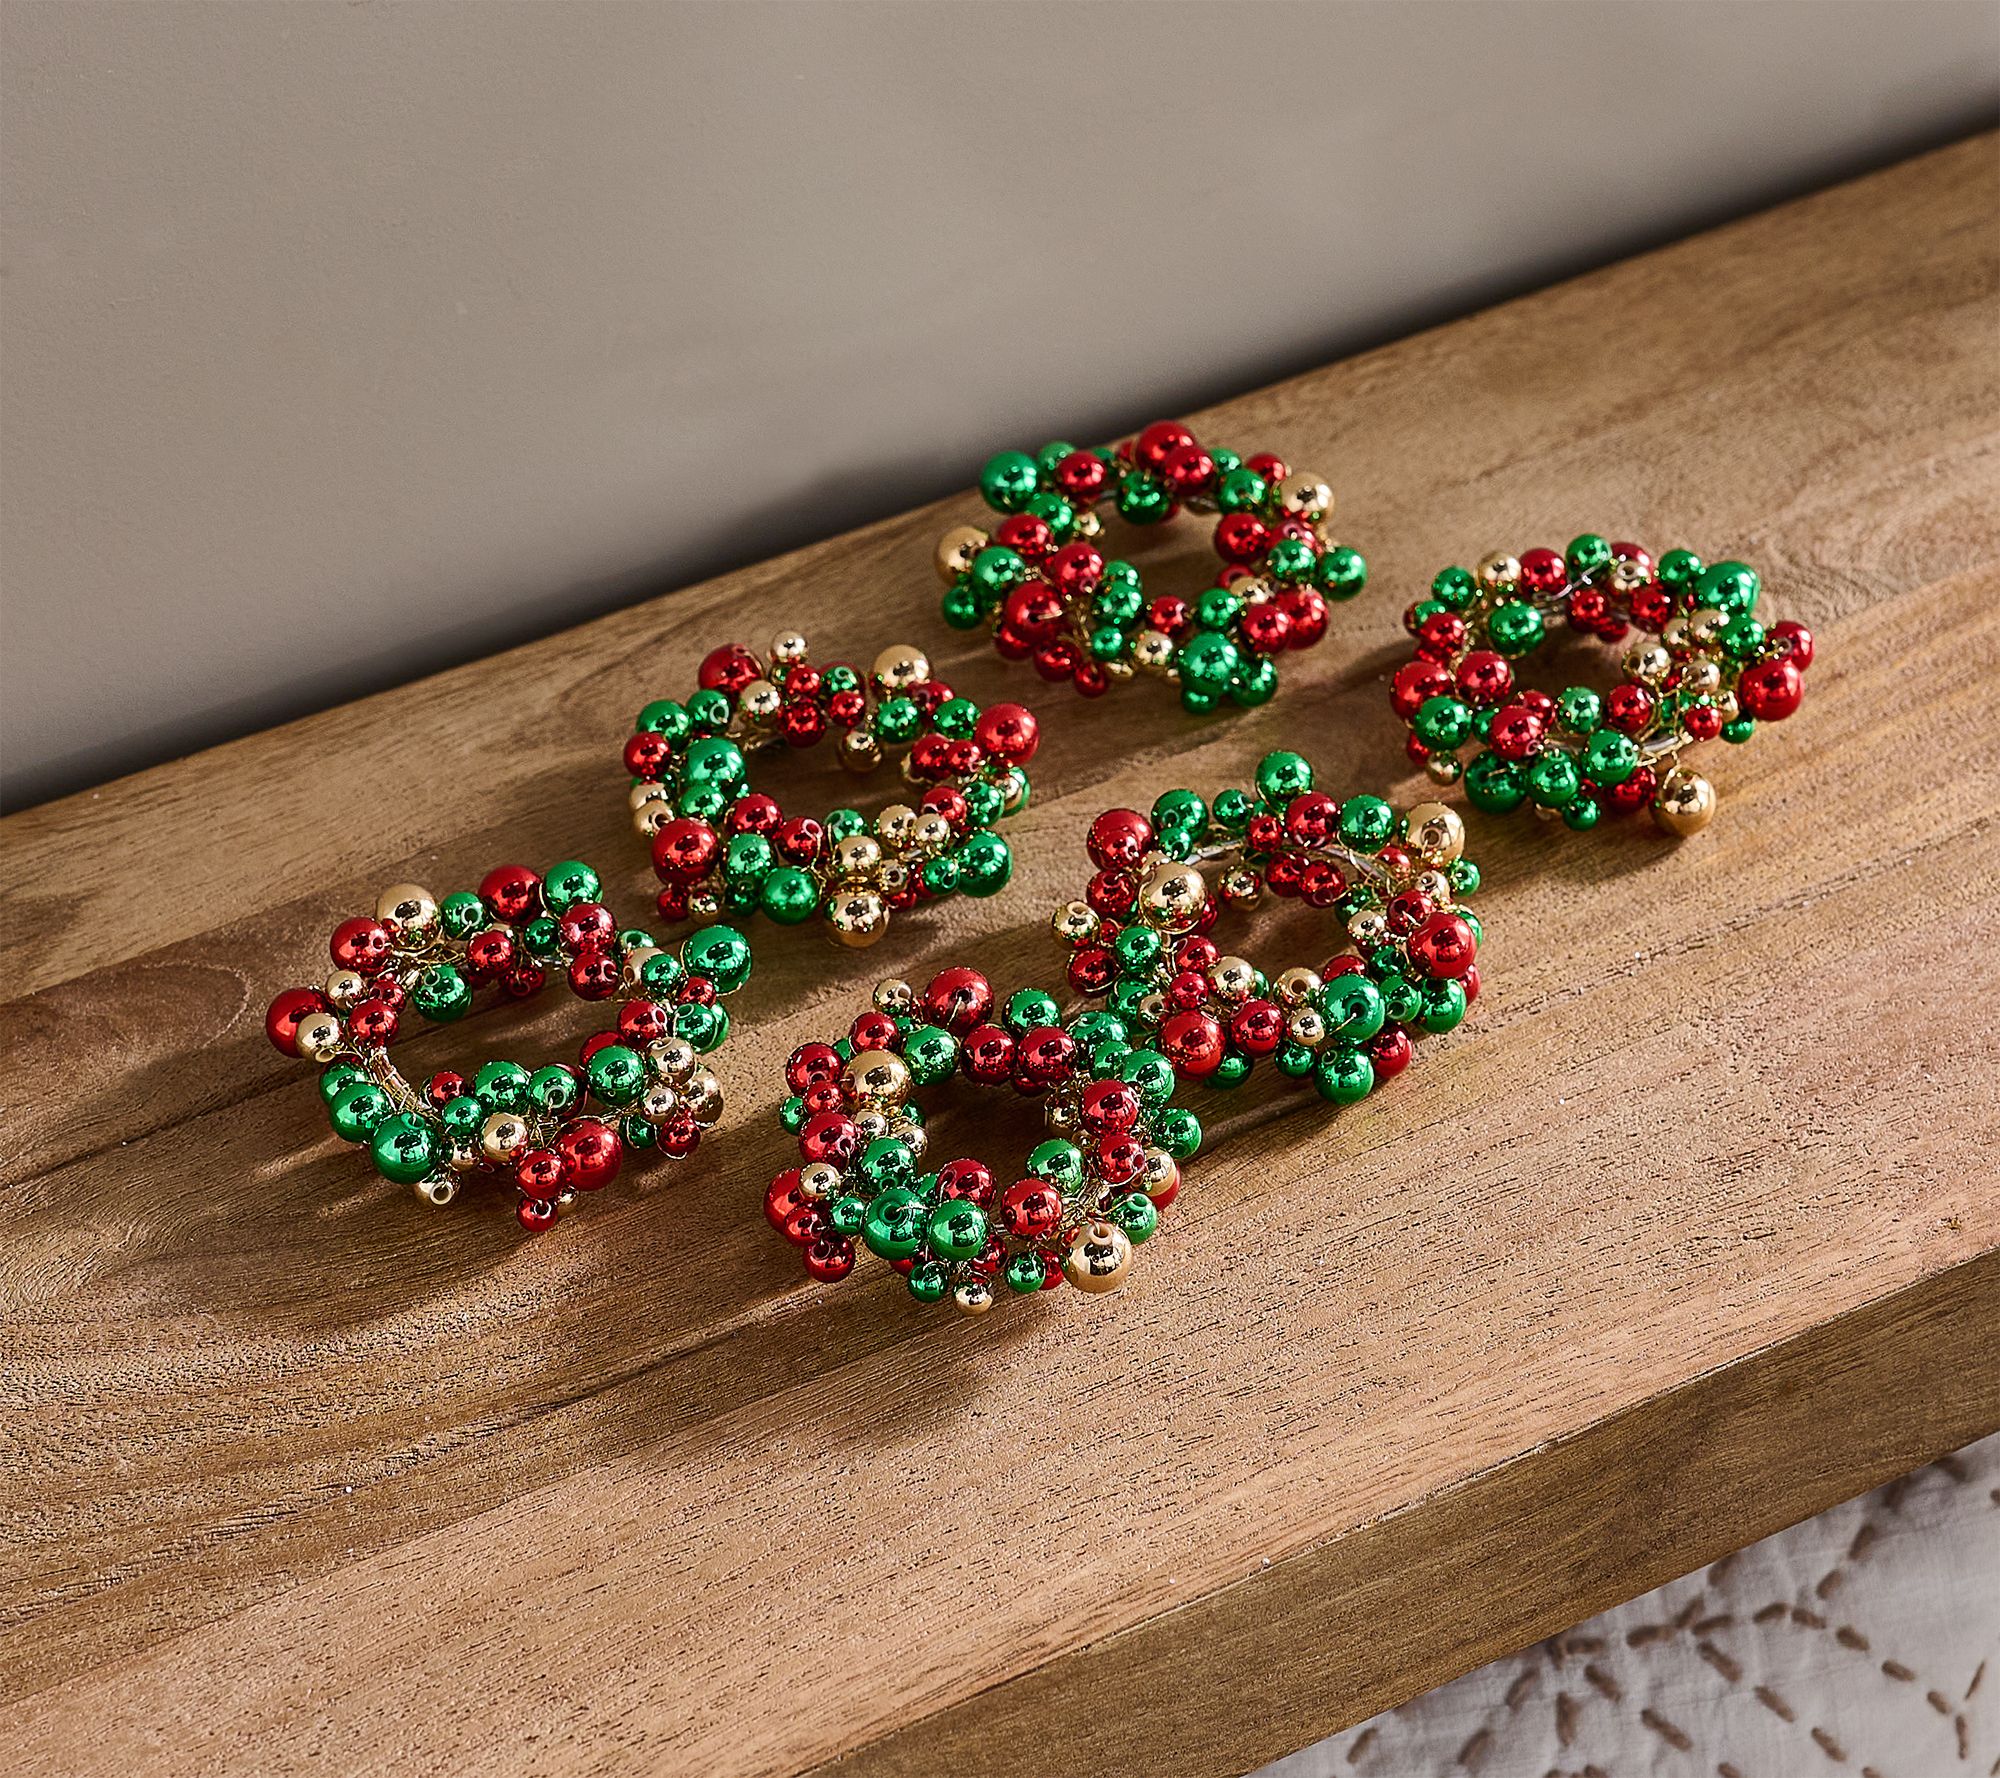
pixel 721 847
pixel 558 1130
pixel 1043 584
pixel 1396 885
pixel 1704 665
pixel 1091 1192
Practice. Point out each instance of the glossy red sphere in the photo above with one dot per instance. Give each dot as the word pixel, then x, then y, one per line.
pixel 1771 690
pixel 1118 839
pixel 1008 732
pixel 287 1011
pixel 591 1153
pixel 685 850
pixel 1443 946
pixel 958 998
pixel 512 893
pixel 363 945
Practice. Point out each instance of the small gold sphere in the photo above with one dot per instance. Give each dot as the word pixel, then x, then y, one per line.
pixel 1444 768
pixel 868 1124
pixel 1075 923
pixel 860 751
pixel 817 1180
pixel 1727 705
pixel 1161 1170
pixel 895 825
pixel 1059 1115
pixel 1674 632
pixel 649 818
pixel 1437 835
pixel 1088 525
pixel 1707 624
pixel 1701 678
pixel 1685 802
pixel 346 988
pixel 701 1099
pixel 320 1037
pixel 437 1192
pixel 1172 897
pixel 1252 589
pixel 856 855
pixel 1434 886
pixel 1627 576
pixel 634 964
pixel 1306 1025
pixel 1152 651
pixel 1498 571
pixel 704 903
pixel 1241 888
pixel 787 648
pixel 658 1103
pixel 673 1058
pixel 406 907
pixel 913 1136
pixel 647 790
pixel 502 1137
pixel 857 917
pixel 1368 928
pixel 879 1077
pixel 1305 496
pixel 1233 978
pixel 894 996
pixel 1098 1258
pixel 466 1160
pixel 898 668
pixel 760 701
pixel 955 550
pixel 1152 1008
pixel 1013 787
pixel 973 1297
pixel 931 835
pixel 1649 663
pixel 1296 986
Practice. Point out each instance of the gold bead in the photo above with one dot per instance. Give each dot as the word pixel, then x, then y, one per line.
pixel 437 1192
pixel 857 917
pixel 320 1037
pixel 1444 768
pixel 1098 1258
pixel 1075 923
pixel 787 649
pixel 894 996
pixel 1627 576
pixel 1013 787
pixel 658 1103
pixel 870 1124
pixel 1674 632
pixel 701 1099
pixel 1059 1115
pixel 1306 1025
pixel 1088 525
pixel 647 790
pixel 895 825
pixel 1498 571
pixel 1161 1170
pixel 899 668
pixel 1685 802
pixel 760 701
pixel 1232 977
pixel 1707 624
pixel 1241 888
pixel 1700 678
pixel 1437 835
pixel 1727 706
pixel 1434 886
pixel 502 1137
pixel 1649 663
pixel 818 1180
pixel 879 1077
pixel 346 988
pixel 1368 928
pixel 931 834
pixel 405 907
pixel 1305 496
pixel 913 1136
pixel 856 855
pixel 1172 897
pixel 704 903
pixel 860 751
pixel 1296 986
pixel 1152 651
pixel 673 1058
pixel 1152 1008
pixel 466 1160
pixel 973 1297
pixel 634 964
pixel 1252 589
pixel 955 550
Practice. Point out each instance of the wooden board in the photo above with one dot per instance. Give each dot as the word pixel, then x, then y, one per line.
pixel 1689 1231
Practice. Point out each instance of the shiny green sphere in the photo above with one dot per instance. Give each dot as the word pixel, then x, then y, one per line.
pixel 1283 775
pixel 462 1119
pixel 1583 814
pixel 1057 1161
pixel 788 895
pixel 929 1281
pixel 1028 1007
pixel 1579 709
pixel 931 1054
pixel 984 863
pixel 1256 684
pixel 714 761
pixel 660 976
pixel 461 914
pixel 722 954
pixel 1143 500
pixel 617 1075
pixel 884 1162
pixel 1587 554
pixel 552 1089
pixel 703 1026
pixel 1609 757
pixel 358 1110
pixel 1493 785
pixel 1367 823
pixel 337 1075
pixel 1137 1215
pixel 1551 779
pixel 1009 481
pixel 1241 490
pixel 1343 1074
pixel 960 606
pixel 1731 587
pixel 894 1225
pixel 1290 559
pixel 1678 568
pixel 1217 608
pixel 1025 1273
pixel 746 858
pixel 663 716
pixel 957 1229
pixel 501 1086
pixel 441 994
pixel 570 884
pixel 403 1147
pixel 1515 627
pixel 1353 1007
pixel 1444 1006
pixel 1207 661
pixel 1150 1075
pixel 1454 589
pixel 1179 1132
pixel 1442 723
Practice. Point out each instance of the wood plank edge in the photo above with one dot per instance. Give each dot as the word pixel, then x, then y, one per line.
pixel 1377 1615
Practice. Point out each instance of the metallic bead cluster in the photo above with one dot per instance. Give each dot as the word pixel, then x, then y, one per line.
pixel 1701 665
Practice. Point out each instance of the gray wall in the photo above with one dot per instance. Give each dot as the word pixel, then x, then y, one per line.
pixel 341 342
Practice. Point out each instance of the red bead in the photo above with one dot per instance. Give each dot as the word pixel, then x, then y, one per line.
pixel 1075 569
pixel 958 998
pixel 1469 981
pixel 1443 946
pixel 1010 644
pixel 1414 682
pixel 1441 635
pixel 1082 476
pixel 1187 989
pixel 1241 537
pixel 1196 953
pixel 802 682
pixel 1158 442
pixel 1344 964
pixel 1057 661
pixel 594 973
pixel 829 1259
pixel 799 840
pixel 524 981
pixel 1389 1052
pixel 362 945
pixel 1187 470
pixel 1271 467
pixel 1027 534
pixel 1631 552
pixel 590 1152
pixel 680 1136
pixel 830 1136
pixel 1111 894
pixel 1628 708
pixel 489 954
pixel 536 1214
pixel 1008 732
pixel 811 1063
pixel 586 924
pixel 800 725
pixel 1171 616
pixel 1257 1027
pixel 1192 1041
pixel 1120 1158
pixel 1306 609
pixel 1311 818
pixel 966 1179
pixel 685 850
pixel 1406 911
pixel 1109 1105
pixel 1702 721
pixel 1030 1209
pixel 1797 640
pixel 873 1030
pixel 1771 690
pixel 987 1055
pixel 643 1022
pixel 287 1012
pixel 1092 970
pixel 753 812
pixel 1517 732
pixel 1118 839
pixel 512 893
pixel 539 1173
pixel 783 1197
pixel 949 801
pixel 1588 607
pixel 846 708
pixel 373 1023
pixel 1543 571
pixel 1091 680
pixel 1033 611
pixel 648 756
pixel 1168 1189
pixel 728 668
pixel 1043 1058
pixel 1322 883
pixel 1265 628
pixel 1652 606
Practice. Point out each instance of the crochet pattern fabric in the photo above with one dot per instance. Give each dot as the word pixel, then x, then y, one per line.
pixel 1863 1641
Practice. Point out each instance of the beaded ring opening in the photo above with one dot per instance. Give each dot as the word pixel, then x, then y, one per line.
pixel 1091 1192
pixel 1705 665
pixel 1041 581
pixel 721 847
pixel 1140 943
pixel 558 1130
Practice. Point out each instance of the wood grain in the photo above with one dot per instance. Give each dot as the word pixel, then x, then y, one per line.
pixel 1688 1232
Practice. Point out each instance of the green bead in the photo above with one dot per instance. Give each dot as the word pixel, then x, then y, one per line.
pixel 898 720
pixel 1025 1273
pixel 1367 823
pixel 1118 602
pixel 1051 455
pixel 1123 578
pixel 1107 1054
pixel 1178 811
pixel 843 824
pixel 940 874
pixel 1231 1071
pixel 931 1054
pixel 636 1133
pixel 663 716
pixel 1137 948
pixel 1109 643
pixel 543 939
pixel 1233 808
pixel 722 954
pixel 1609 757
pixel 746 858
pixel 1583 814
pixel 1343 1074
pixel 1551 779
pixel 710 711
pixel 984 863
pixel 570 884
pixel 1742 638
pixel 1579 709
pixel 1294 1060
pixel 1587 554
pixel 1199 702
pixel 463 1118
pixel 1354 1008
pixel 1290 559
pixel 957 1229
pixel 956 717
pixel 1241 490
pixel 1402 999
pixel 1217 609
pixel 358 1110
pixel 715 762
pixel 840 677
pixel 552 1089
pixel 661 975
pixel 704 1027
pixel 1442 723
pixel 1137 1215
pixel 461 914
pixel 1678 568
pixel 1444 1005
pixel 1055 512
pixel 1455 589
pixel 849 1214
pixel 1256 684
pixel 788 895
pixel 1739 731
pixel 1143 500
pixel 501 1086
pixel 337 1075
pixel 1515 627
pixel 792 1113
pixel 1090 1029
pixel 1283 775
pixel 1179 1132
pixel 1028 1007
pixel 705 802
pixel 1731 587
pixel 1207 662
pixel 1150 1075
pixel 960 606
pixel 633 938
pixel 1057 1161
pixel 1127 995
pixel 1009 480
pixel 403 1147
pixel 885 1162
pixel 1464 877
pixel 895 1223
pixel 617 1075
pixel 1493 785
pixel 984 803
pixel 928 1282
pixel 1342 572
